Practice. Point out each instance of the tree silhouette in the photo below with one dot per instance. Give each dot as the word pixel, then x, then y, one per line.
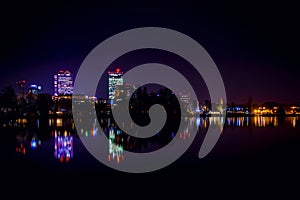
pixel 44 104
pixel 8 100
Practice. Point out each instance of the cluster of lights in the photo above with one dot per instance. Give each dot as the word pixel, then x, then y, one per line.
pixel 21 149
pixel 115 150
pixel 114 79
pixel 63 147
pixel 35 143
pixel 63 83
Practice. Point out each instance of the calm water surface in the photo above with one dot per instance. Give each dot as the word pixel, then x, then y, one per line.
pixel 58 143
pixel 264 150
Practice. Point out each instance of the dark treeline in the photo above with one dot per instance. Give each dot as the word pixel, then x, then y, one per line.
pixel 24 105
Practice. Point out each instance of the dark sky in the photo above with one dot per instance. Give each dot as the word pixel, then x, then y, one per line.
pixel 255 45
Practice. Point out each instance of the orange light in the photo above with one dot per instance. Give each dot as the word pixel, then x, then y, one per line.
pixel 118 70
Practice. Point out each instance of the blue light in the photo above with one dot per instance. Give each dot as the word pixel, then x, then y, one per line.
pixel 33 144
pixel 95 131
pixel 198 121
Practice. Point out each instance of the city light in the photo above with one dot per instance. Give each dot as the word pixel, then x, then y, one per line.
pixel 114 79
pixel 63 147
pixel 63 83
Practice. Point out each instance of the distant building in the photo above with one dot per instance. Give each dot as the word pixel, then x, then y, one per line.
pixel 21 85
pixel 191 104
pixel 124 91
pixel 236 110
pixel 115 78
pixel 185 97
pixel 34 89
pixel 63 83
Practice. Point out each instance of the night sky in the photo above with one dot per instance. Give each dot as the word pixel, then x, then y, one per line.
pixel 255 45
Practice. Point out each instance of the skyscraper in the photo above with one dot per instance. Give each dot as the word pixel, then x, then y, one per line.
pixel 114 79
pixel 63 83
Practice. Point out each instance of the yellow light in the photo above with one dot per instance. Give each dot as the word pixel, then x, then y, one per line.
pixel 58 122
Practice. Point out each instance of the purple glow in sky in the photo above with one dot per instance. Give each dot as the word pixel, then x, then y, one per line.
pixel 254 46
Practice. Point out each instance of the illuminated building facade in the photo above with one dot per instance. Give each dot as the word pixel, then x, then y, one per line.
pixel 63 83
pixel 34 89
pixel 114 79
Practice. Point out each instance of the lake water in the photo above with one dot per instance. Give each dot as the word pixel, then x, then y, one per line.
pixel 263 150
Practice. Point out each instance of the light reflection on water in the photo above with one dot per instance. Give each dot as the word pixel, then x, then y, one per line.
pixel 62 132
pixel 63 146
pixel 262 121
pixel 115 145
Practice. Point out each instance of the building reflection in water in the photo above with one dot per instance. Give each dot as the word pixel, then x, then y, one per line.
pixel 184 133
pixel 214 121
pixel 115 146
pixel 58 122
pixel 63 146
pixel 261 121
pixel 294 121
pixel 21 148
pixel 28 140
pixel 35 143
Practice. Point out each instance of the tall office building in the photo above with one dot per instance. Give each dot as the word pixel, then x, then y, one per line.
pixel 114 79
pixel 63 83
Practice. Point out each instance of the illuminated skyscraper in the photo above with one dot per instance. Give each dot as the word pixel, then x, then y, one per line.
pixel 63 83
pixel 114 79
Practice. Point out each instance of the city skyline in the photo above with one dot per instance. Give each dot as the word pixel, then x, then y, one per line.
pixel 255 53
pixel 54 144
pixel 104 92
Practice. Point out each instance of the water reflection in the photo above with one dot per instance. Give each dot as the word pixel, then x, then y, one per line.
pixel 63 146
pixel 35 143
pixel 63 132
pixel 21 122
pixel 262 121
pixel 115 145
pixel 20 148
pixel 26 140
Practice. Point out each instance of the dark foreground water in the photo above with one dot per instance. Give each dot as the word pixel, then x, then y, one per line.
pixel 254 157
